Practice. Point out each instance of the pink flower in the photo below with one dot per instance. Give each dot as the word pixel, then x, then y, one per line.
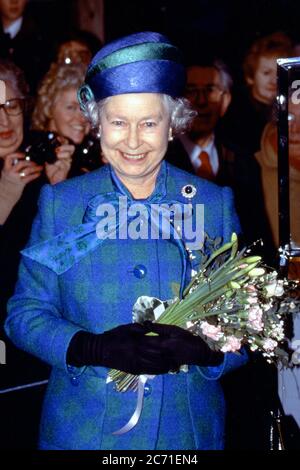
pixel 252 299
pixel 255 315
pixel 211 331
pixel 251 288
pixel 232 344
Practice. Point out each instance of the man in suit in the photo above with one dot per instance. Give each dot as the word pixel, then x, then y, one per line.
pixel 200 151
pixel 23 41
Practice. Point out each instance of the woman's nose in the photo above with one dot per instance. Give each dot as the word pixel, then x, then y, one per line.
pixel 274 79
pixel 133 140
pixel 4 119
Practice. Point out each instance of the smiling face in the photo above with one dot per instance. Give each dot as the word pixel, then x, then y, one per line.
pixel 134 135
pixel 66 118
pixel 263 82
pixel 11 128
pixel 209 98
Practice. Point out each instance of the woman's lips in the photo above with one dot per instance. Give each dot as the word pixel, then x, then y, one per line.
pixel 6 134
pixel 133 157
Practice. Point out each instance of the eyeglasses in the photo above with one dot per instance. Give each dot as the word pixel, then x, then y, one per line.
pixel 211 93
pixel 14 107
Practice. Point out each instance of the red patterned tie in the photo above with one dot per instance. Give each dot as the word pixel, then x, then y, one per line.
pixel 205 170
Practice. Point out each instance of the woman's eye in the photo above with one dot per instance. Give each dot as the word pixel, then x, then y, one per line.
pixel 149 124
pixel 71 107
pixel 118 123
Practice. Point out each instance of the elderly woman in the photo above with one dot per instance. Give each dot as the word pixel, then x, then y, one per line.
pixel 20 179
pixel 20 184
pixel 70 307
pixel 57 111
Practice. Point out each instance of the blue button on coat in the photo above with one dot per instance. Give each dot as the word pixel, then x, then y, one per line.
pixel 183 411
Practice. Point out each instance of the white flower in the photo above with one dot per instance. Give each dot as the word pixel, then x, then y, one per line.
pixel 269 344
pixel 277 331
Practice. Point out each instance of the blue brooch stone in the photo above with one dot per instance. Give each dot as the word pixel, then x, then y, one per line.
pixel 188 191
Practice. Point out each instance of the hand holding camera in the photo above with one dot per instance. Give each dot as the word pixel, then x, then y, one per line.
pixel 18 171
pixel 54 153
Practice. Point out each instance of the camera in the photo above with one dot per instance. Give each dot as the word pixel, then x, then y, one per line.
pixel 43 148
pixel 87 155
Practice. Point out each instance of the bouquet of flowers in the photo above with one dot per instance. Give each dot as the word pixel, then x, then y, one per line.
pixel 231 301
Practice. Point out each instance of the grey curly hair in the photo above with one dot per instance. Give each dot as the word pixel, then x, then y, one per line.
pixel 180 111
pixel 60 77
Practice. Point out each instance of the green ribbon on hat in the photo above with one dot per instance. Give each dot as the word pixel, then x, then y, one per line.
pixel 130 54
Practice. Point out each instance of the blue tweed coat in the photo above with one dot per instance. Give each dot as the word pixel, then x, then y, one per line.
pixel 181 411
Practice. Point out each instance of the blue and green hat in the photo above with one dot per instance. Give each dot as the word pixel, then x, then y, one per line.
pixel 144 62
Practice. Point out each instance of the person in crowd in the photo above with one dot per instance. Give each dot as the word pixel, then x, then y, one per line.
pixel 252 105
pixel 75 52
pixel 77 47
pixel 70 307
pixel 200 150
pixel 22 40
pixel 57 112
pixel 288 379
pixel 20 184
pixel 17 171
pixel 267 158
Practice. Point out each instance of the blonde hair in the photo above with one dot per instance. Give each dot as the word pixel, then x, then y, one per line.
pixel 60 77
pixel 274 45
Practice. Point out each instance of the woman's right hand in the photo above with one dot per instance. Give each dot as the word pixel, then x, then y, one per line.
pixel 15 174
pixel 126 347
pixel 18 172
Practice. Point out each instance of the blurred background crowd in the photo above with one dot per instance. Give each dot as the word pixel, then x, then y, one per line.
pixel 230 49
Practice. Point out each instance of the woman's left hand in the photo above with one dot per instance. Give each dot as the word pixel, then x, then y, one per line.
pixel 58 171
pixel 183 347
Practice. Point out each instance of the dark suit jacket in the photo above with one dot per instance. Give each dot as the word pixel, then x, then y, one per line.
pixel 29 50
pixel 178 156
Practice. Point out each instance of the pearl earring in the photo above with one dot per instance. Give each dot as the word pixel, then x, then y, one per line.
pixel 170 135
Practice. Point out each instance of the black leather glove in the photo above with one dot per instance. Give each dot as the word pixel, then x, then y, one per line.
pixel 182 347
pixel 125 348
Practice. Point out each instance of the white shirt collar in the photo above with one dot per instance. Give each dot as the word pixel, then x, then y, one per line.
pixel 194 151
pixel 14 27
